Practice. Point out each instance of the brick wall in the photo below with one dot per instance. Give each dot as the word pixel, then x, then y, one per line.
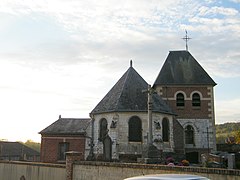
pixel 200 118
pixel 188 111
pixel 50 146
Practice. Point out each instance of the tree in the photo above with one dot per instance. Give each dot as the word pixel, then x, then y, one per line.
pixel 237 137
pixel 34 145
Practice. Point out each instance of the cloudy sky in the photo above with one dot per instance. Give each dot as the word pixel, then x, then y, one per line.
pixel 63 56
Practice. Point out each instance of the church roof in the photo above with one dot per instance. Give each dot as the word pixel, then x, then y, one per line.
pixel 181 68
pixel 67 126
pixel 127 96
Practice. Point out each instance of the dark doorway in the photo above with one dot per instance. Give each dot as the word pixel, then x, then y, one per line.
pixel 192 157
pixel 107 148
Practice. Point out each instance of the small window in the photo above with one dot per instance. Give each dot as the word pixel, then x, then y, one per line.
pixel 165 130
pixel 63 148
pixel 180 100
pixel 103 129
pixel 189 135
pixel 135 129
pixel 196 102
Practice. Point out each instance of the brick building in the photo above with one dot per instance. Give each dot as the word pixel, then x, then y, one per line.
pixel 65 134
pixel 188 90
pixel 183 112
pixel 183 120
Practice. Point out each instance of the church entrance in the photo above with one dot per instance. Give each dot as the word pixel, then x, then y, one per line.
pixel 107 148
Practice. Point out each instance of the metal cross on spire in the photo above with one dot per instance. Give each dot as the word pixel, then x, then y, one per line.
pixel 186 38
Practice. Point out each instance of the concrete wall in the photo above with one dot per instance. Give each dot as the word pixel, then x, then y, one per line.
pixel 86 170
pixel 31 171
pixel 117 171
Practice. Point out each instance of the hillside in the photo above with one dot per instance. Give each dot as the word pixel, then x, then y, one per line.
pixel 226 130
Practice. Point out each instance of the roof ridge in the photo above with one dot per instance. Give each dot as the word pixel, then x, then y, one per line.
pixel 124 83
pixel 126 96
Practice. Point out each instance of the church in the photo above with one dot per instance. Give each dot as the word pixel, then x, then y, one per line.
pixel 183 120
pixel 182 116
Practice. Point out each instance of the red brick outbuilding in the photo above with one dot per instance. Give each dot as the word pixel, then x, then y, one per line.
pixel 65 134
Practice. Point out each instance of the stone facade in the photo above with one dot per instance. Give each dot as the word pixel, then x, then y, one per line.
pixel 121 146
pixel 201 118
pixel 183 119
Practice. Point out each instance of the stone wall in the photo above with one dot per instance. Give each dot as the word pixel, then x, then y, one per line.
pixel 231 148
pixel 87 170
pixel 117 171
pixel 197 116
pixel 119 134
pixel 10 170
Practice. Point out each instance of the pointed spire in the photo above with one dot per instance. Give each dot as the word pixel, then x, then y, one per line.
pixel 130 63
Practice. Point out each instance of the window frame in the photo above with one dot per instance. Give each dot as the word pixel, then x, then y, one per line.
pixel 134 129
pixel 189 134
pixel 196 100
pixel 180 101
pixel 165 130
pixel 103 129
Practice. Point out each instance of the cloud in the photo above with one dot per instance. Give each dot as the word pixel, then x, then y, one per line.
pixel 214 11
pixel 227 111
pixel 62 57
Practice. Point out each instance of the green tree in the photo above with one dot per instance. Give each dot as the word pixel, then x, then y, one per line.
pixel 34 145
pixel 237 137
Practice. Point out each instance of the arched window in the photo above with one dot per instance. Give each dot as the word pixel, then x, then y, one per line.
pixel 189 135
pixel 196 101
pixel 135 129
pixel 180 99
pixel 103 129
pixel 165 130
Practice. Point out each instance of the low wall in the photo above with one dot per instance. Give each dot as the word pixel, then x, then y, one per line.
pixel 10 170
pixel 119 171
pixel 86 170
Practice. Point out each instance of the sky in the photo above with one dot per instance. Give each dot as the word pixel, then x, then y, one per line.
pixel 60 57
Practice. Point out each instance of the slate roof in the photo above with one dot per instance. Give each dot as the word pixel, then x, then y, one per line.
pixel 66 126
pixel 16 149
pixel 181 68
pixel 127 96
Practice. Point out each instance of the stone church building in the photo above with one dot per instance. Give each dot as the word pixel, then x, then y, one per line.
pixel 183 120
